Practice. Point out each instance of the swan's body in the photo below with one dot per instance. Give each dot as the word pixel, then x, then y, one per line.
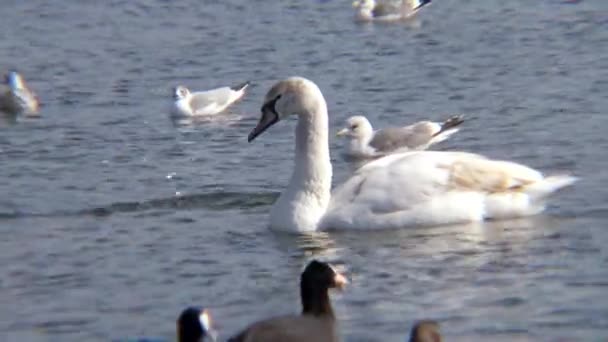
pixel 421 188
pixel 208 102
pixel 372 10
pixel 18 98
pixel 367 143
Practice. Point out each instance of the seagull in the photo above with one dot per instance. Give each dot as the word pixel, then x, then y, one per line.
pixel 371 10
pixel 367 143
pixel 208 102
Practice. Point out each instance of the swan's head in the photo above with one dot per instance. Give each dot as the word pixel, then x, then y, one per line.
pixel 295 95
pixel 356 127
pixel 15 81
pixel 180 92
pixel 195 324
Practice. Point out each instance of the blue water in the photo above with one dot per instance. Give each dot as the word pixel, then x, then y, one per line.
pixel 113 217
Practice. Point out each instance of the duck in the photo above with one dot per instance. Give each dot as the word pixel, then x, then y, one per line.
pixel 18 98
pixel 316 322
pixel 372 10
pixel 416 188
pixel 366 143
pixel 194 324
pixel 209 102
pixel 425 331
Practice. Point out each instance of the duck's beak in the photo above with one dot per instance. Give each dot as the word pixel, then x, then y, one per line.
pixel 342 132
pixel 269 117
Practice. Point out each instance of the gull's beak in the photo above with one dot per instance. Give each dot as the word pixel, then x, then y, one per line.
pixel 342 132
pixel 340 281
pixel 269 117
pixel 356 3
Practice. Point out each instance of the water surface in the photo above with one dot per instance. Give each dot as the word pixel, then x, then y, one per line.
pixel 114 217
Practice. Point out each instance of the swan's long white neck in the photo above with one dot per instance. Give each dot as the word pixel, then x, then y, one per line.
pixel 312 161
pixel 302 205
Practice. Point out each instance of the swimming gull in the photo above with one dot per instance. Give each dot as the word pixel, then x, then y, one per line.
pixel 418 188
pixel 372 10
pixel 208 102
pixel 367 143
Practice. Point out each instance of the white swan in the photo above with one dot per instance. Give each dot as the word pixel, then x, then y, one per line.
pixel 18 98
pixel 367 143
pixel 403 189
pixel 372 10
pixel 208 102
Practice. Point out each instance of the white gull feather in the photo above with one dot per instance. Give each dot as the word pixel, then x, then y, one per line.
pixel 421 188
pixel 367 143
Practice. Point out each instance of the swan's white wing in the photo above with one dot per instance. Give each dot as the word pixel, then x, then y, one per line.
pixel 431 187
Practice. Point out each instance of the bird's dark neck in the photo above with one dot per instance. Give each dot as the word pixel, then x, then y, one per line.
pixel 315 301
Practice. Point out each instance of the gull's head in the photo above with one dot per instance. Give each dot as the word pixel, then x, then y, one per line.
pixel 180 92
pixel 195 324
pixel 364 4
pixel 15 81
pixel 294 95
pixel 356 127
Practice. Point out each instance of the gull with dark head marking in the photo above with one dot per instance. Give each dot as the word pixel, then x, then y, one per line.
pixel 372 10
pixel 418 188
pixel 208 102
pixel 18 98
pixel 367 143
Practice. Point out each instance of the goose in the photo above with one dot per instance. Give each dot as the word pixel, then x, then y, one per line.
pixel 18 98
pixel 367 143
pixel 208 102
pixel 371 10
pixel 317 321
pixel 417 188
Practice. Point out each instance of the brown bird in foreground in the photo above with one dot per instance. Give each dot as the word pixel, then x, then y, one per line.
pixel 317 321
pixel 425 331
